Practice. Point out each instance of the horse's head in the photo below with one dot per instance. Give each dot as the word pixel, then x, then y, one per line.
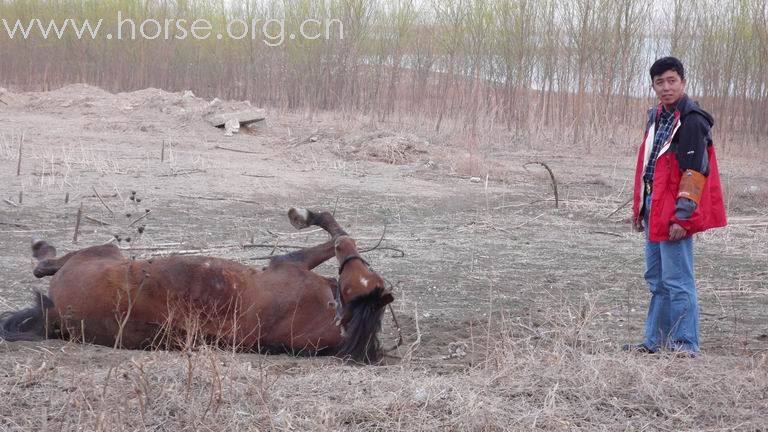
pixel 364 296
pixel 356 278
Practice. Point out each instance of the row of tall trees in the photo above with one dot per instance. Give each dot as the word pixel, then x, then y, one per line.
pixel 578 65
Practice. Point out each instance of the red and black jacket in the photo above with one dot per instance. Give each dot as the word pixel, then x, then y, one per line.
pixel 689 150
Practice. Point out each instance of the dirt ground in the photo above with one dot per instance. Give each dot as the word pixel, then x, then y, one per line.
pixel 484 260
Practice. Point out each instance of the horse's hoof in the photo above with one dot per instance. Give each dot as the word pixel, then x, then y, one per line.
pixel 299 217
pixel 41 249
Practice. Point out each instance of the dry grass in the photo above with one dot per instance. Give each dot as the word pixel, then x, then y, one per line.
pixel 556 376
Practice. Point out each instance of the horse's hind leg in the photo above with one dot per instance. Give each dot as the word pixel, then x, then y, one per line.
pixel 47 263
pixel 303 218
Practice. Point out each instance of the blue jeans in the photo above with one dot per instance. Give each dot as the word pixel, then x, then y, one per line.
pixel 673 315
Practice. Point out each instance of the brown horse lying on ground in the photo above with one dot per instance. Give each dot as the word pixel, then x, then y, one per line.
pixel 98 296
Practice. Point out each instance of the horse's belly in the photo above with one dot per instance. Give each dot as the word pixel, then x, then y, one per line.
pixel 302 313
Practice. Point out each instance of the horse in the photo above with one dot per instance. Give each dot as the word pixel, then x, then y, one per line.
pixel 98 296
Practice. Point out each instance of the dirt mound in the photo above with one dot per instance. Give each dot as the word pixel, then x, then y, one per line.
pixel 384 146
pixel 179 103
pixel 5 94
pixel 76 98
pixel 146 110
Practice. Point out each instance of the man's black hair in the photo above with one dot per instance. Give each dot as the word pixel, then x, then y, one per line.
pixel 667 63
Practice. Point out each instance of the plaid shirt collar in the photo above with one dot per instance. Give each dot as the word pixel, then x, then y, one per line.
pixel 663 113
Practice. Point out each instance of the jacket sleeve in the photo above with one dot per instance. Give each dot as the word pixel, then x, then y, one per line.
pixel 694 136
pixel 692 155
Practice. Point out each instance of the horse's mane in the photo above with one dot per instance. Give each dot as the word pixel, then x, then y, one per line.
pixel 27 324
pixel 362 322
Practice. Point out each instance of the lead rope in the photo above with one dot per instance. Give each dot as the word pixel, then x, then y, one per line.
pixel 397 325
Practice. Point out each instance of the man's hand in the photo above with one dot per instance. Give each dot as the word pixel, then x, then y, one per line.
pixel 637 226
pixel 676 232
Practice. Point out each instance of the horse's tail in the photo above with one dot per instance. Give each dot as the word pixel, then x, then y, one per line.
pixel 28 324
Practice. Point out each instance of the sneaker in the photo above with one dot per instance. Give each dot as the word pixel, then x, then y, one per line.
pixel 638 348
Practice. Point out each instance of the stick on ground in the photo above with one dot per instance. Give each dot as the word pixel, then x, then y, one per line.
pixel 18 164
pixel 620 207
pixel 146 213
pixel 528 221
pixel 235 150
pixel 14 224
pixel 101 199
pixel 216 198
pixel 551 176
pixel 77 223
pixel 98 221
pixel 607 233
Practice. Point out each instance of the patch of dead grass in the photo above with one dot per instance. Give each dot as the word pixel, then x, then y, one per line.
pixel 559 375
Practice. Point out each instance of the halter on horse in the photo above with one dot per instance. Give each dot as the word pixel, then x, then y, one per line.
pixel 96 295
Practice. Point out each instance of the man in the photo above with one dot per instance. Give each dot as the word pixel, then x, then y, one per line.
pixel 677 194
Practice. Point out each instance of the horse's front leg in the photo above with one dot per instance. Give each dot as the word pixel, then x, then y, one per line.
pixel 312 257
pixel 303 218
pixel 307 258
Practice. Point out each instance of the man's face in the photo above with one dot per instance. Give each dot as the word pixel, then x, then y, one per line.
pixel 669 87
